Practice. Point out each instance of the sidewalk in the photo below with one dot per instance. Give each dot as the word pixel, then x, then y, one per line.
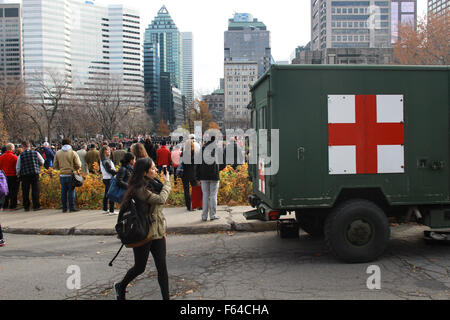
pixel 93 222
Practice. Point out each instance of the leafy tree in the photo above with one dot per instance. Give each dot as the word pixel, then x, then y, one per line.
pixel 429 45
pixel 162 129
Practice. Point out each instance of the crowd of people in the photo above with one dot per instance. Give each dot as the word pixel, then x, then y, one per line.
pixel 21 164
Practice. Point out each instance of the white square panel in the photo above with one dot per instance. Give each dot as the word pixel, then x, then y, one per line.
pixel 341 109
pixel 390 108
pixel 342 159
pixel 391 159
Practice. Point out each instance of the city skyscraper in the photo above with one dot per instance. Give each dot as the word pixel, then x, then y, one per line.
pixel 94 43
pixel 248 39
pixel 11 62
pixel 247 55
pixel 188 66
pixel 162 35
pixel 350 24
pixel 402 12
pixel 438 6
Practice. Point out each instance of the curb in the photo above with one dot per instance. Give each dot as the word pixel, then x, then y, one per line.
pixel 191 230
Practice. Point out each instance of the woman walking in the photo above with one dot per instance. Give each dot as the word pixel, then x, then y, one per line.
pixel 108 171
pixel 150 195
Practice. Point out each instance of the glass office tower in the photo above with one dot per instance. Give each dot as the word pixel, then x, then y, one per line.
pixel 188 66
pixel 162 34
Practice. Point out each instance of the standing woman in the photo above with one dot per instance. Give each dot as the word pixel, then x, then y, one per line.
pixel 139 151
pixel 108 171
pixel 150 195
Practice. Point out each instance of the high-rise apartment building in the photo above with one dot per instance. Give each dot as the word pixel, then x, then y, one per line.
pixel 162 35
pixel 11 63
pixel 125 50
pixel 403 12
pixel 439 7
pixel 247 56
pixel 350 24
pixel 248 39
pixel 188 66
pixel 238 78
pixel 83 42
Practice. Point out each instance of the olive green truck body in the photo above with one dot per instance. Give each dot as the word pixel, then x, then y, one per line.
pixel 373 133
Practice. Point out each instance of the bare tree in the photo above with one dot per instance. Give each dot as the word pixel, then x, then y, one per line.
pixel 136 122
pixel 49 91
pixel 107 103
pixel 13 106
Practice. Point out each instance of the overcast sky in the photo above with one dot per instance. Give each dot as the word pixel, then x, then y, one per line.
pixel 287 20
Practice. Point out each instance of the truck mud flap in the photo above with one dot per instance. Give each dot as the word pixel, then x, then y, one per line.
pixel 254 215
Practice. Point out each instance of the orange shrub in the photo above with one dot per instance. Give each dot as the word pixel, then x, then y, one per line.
pixel 234 190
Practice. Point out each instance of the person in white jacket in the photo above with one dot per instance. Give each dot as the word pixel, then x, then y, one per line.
pixel 108 172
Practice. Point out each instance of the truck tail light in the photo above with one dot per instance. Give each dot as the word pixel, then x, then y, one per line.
pixel 274 215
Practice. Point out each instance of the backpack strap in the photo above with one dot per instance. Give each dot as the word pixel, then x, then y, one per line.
pixel 111 263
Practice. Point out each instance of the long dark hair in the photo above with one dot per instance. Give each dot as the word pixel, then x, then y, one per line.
pixel 137 179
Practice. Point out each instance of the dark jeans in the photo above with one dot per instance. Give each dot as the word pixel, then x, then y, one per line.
pixel 11 198
pixel 30 181
pixel 187 194
pixel 2 199
pixel 67 191
pixel 107 182
pixel 158 250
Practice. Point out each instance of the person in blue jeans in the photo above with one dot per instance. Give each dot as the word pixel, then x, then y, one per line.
pixel 68 162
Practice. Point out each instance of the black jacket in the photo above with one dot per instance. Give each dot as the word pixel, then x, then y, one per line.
pixel 123 176
pixel 189 170
pixel 208 171
pixel 151 151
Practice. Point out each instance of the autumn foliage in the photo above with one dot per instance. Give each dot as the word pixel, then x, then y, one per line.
pixel 429 45
pixel 234 190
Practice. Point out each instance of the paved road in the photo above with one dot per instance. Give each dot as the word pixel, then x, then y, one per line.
pixel 224 266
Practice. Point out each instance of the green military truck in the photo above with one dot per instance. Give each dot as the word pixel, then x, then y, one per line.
pixel 357 145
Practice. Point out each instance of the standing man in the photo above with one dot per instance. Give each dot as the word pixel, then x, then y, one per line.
pixel 68 162
pixel 8 162
pixel 117 155
pixel 82 155
pixel 93 156
pixel 28 168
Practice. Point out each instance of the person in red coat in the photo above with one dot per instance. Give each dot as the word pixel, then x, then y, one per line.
pixel 8 163
pixel 163 157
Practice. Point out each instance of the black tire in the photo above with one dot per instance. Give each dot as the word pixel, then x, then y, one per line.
pixel 357 231
pixel 313 224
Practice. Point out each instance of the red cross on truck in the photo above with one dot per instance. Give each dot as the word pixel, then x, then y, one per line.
pixel 358 145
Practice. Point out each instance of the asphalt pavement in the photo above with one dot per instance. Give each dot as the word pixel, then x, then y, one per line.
pixel 94 222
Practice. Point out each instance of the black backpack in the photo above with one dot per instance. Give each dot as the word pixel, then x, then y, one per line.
pixel 132 228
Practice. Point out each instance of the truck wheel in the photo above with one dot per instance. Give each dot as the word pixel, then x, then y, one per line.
pixel 310 223
pixel 357 231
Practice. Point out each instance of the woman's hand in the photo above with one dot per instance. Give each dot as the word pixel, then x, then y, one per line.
pixel 167 176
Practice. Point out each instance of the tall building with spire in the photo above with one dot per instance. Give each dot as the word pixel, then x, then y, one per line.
pixel 162 54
